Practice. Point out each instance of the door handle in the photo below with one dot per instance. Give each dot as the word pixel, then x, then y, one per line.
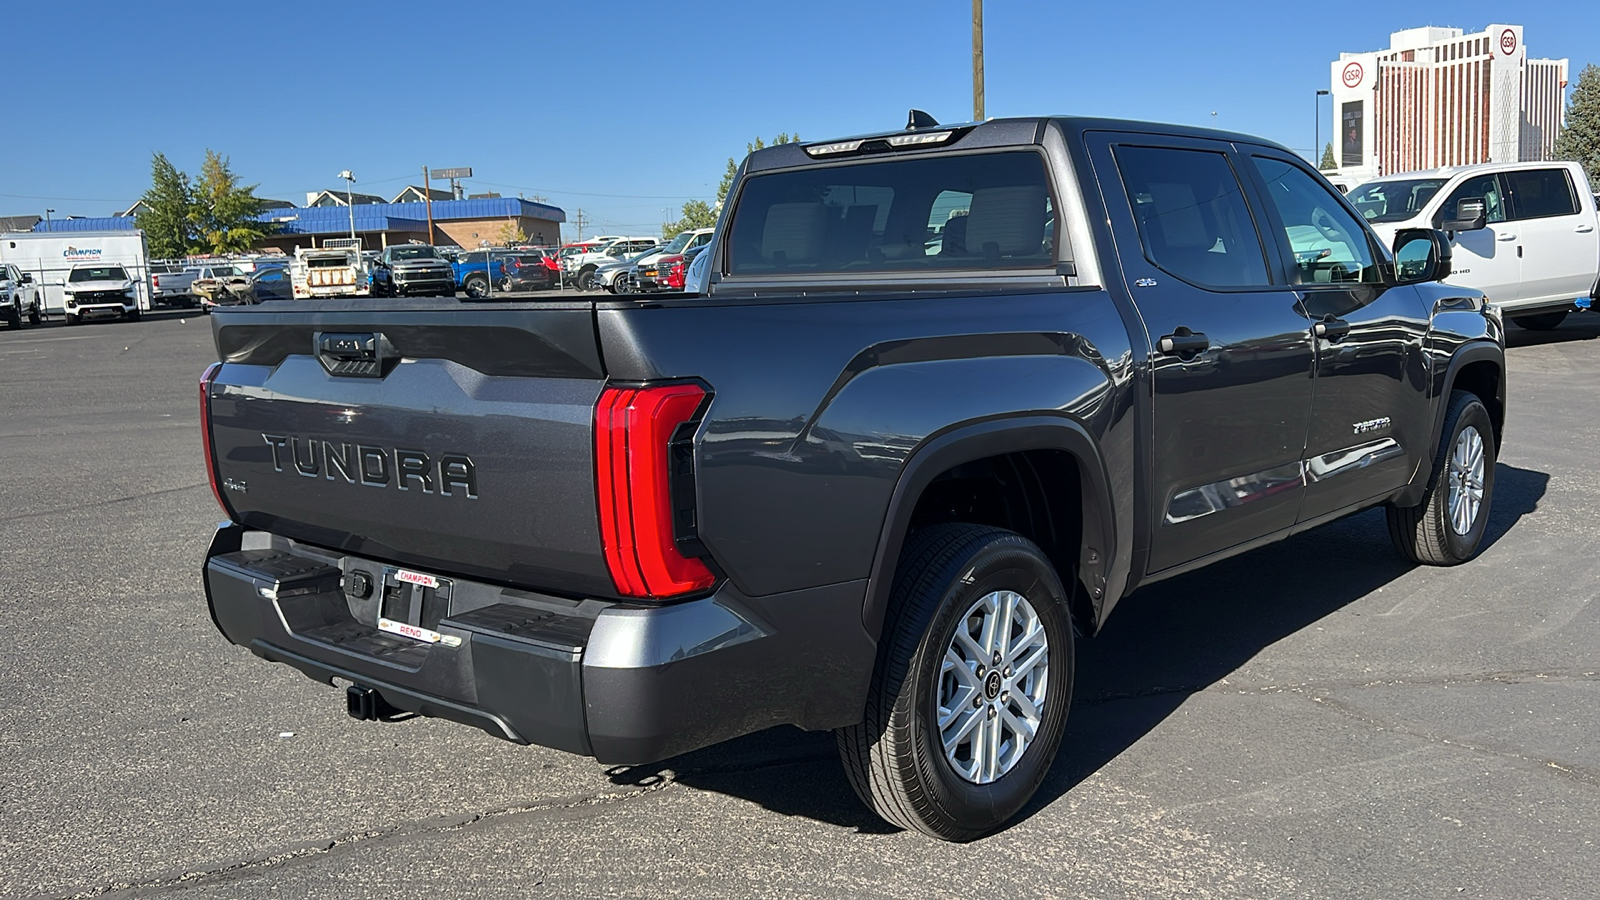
pixel 1184 343
pixel 1330 328
pixel 1585 229
pixel 1505 237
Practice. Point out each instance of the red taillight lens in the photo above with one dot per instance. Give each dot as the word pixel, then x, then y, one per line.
pixel 633 477
pixel 209 376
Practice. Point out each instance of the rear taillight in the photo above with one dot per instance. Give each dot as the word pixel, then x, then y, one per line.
pixel 209 376
pixel 637 466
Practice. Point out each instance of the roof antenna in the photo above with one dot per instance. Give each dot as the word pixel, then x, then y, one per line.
pixel 920 119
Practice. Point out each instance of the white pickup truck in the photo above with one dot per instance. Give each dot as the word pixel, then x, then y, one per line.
pixel 19 297
pixel 1530 241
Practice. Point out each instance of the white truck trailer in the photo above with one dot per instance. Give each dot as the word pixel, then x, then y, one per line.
pixel 49 256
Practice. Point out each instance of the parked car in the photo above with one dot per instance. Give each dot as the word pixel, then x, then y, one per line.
pixel 857 486
pixel 270 283
pixel 528 270
pixel 407 269
pixel 477 271
pixel 221 286
pixel 1525 233
pixel 677 270
pixel 580 268
pixel 19 297
pixel 637 273
pixel 169 285
pixel 99 292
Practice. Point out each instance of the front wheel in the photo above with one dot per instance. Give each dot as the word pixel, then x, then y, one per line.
pixel 133 315
pixel 585 280
pixel 14 316
pixel 1540 321
pixel 475 287
pixel 35 313
pixel 1447 527
pixel 71 319
pixel 969 697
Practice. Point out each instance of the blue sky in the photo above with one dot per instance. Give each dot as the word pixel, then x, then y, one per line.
pixel 626 109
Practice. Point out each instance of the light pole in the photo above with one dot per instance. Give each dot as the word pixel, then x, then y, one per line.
pixel 349 203
pixel 977 60
pixel 1316 128
pixel 47 213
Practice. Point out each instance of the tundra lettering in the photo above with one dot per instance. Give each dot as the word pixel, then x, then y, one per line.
pixel 412 469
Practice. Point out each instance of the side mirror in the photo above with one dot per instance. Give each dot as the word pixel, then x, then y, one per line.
pixel 1421 254
pixel 1470 215
pixel 26 278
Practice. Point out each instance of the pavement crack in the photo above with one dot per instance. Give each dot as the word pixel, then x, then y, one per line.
pixel 100 504
pixel 1224 686
pixel 441 824
pixel 1572 771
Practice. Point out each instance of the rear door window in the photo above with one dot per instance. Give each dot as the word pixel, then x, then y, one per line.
pixel 1541 193
pixel 990 211
pixel 1192 217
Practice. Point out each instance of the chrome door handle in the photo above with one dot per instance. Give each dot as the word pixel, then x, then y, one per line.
pixel 1330 328
pixel 1505 237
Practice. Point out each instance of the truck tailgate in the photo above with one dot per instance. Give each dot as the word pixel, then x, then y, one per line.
pixel 464 445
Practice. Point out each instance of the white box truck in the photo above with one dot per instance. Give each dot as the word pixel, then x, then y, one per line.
pixel 50 256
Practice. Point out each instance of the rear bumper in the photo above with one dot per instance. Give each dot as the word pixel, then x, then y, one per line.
pixel 625 684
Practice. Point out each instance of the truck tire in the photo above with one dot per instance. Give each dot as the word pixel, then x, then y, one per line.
pixel 71 319
pixel 35 313
pixel 585 280
pixel 963 592
pixel 476 287
pixel 133 315
pixel 14 316
pixel 1540 321
pixel 1447 527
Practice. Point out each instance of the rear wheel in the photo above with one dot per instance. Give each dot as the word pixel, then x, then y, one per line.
pixel 1447 527
pixel 969 697
pixel 476 286
pixel 586 280
pixel 1540 321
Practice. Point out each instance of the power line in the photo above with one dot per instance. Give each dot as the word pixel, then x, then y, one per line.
pixel 536 190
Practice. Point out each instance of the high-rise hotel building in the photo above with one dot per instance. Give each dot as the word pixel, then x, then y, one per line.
pixel 1439 97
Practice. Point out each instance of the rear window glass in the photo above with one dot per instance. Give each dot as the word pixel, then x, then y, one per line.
pixel 985 211
pixel 1541 193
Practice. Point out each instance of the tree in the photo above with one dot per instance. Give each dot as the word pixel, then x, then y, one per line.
pixel 511 234
pixel 166 222
pixel 1328 162
pixel 700 214
pixel 224 212
pixel 1580 140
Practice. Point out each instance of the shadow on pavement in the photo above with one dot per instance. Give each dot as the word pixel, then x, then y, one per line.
pixel 1167 641
pixel 1578 326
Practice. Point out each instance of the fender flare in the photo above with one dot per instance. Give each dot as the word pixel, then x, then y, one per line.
pixel 1476 351
pixel 1472 352
pixel 992 437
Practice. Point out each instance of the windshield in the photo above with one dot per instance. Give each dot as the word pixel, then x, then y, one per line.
pixel 678 243
pixel 412 253
pixel 99 273
pixel 1394 201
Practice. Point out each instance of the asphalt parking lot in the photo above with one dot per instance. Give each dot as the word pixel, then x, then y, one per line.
pixel 1313 719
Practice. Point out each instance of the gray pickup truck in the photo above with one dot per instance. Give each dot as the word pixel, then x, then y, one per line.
pixel 949 394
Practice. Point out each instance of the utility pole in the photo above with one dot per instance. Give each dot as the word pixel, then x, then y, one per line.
pixel 579 223
pixel 427 194
pixel 977 60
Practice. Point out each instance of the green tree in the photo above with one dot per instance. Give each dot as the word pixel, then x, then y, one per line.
pixel 1580 140
pixel 511 234
pixel 225 212
pixel 1328 162
pixel 700 214
pixel 166 220
pixel 696 214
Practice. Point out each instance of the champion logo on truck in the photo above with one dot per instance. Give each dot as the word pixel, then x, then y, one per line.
pixel 77 255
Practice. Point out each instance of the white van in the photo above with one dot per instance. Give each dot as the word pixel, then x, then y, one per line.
pixel 1534 248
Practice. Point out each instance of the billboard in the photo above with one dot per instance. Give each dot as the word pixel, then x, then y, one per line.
pixel 1350 125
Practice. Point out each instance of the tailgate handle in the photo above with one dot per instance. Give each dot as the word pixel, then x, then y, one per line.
pixel 366 354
